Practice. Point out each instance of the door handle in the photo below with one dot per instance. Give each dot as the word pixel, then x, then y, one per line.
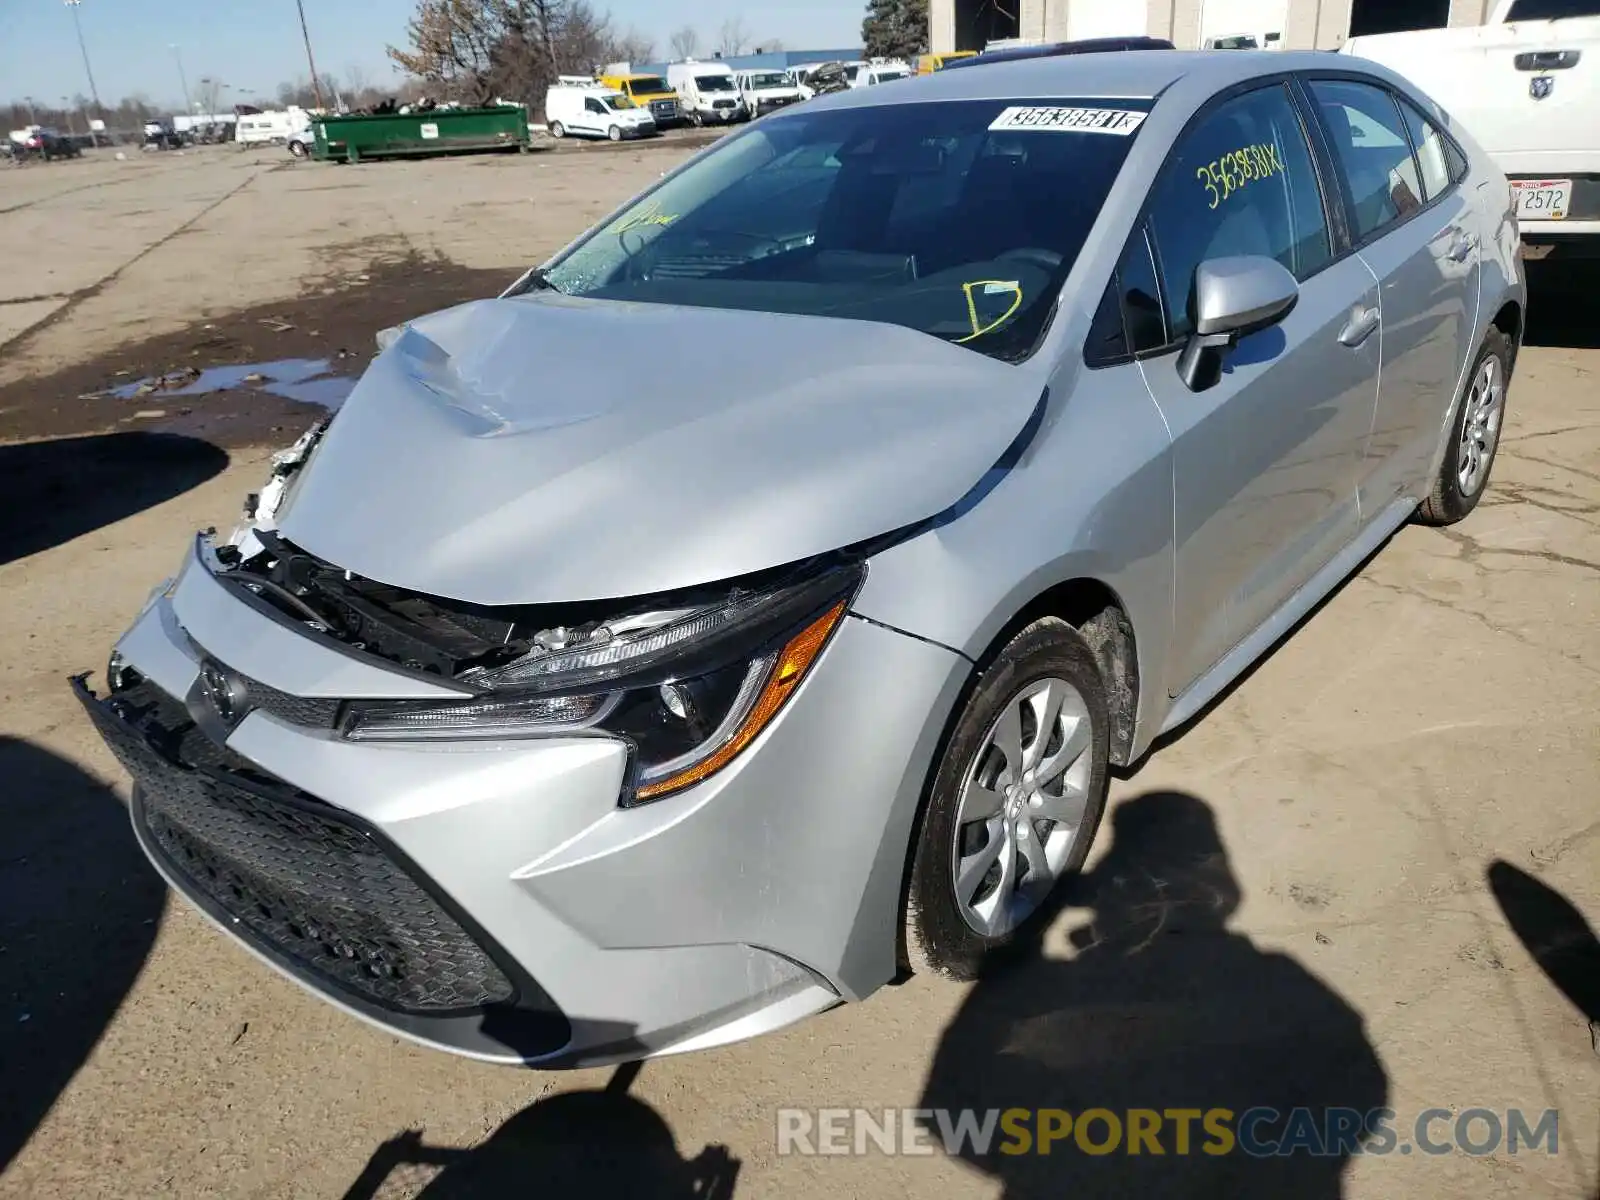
pixel 1359 328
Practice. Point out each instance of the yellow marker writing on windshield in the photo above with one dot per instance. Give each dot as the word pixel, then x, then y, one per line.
pixel 650 214
pixel 990 286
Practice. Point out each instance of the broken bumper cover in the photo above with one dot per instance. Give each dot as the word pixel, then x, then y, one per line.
pixel 491 898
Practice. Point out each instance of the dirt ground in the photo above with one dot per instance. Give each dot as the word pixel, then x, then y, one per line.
pixel 1392 824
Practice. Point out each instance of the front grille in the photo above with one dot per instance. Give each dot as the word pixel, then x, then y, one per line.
pixel 311 711
pixel 298 878
pixel 663 110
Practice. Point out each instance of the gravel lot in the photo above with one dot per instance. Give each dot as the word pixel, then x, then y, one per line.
pixel 1327 837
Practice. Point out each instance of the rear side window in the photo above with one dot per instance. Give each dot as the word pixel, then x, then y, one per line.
pixel 1432 151
pixel 1371 151
pixel 1240 182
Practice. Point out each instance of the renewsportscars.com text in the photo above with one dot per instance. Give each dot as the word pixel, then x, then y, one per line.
pixel 1256 1132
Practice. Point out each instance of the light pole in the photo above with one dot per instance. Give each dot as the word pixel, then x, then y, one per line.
pixel 316 85
pixel 83 48
pixel 33 117
pixel 188 105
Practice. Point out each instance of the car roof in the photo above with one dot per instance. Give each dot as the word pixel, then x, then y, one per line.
pixel 1123 74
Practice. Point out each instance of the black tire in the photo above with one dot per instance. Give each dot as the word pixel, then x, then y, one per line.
pixel 557 129
pixel 1448 502
pixel 939 939
pixel 297 149
pixel 614 133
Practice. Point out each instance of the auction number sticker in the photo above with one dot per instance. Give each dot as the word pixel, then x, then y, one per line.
pixel 1119 121
pixel 430 130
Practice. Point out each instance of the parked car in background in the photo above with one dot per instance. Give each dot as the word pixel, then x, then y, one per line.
pixel 548 717
pixel 825 79
pixel 766 90
pixel 707 92
pixel 584 108
pixel 927 64
pixel 649 92
pixel 880 71
pixel 159 135
pixel 46 144
pixel 1527 85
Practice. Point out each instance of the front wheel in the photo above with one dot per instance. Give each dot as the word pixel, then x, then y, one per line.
pixel 1474 438
pixel 615 133
pixel 298 149
pixel 1015 801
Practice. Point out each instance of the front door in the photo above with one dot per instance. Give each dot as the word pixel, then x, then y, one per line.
pixel 1264 462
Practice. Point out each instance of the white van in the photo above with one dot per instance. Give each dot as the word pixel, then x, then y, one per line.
pixel 881 70
pixel 707 94
pixel 767 89
pixel 263 128
pixel 584 108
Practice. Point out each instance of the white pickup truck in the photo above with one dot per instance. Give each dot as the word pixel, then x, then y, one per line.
pixel 1527 87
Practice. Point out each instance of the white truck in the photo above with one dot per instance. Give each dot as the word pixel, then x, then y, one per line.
pixel 707 92
pixel 1527 87
pixel 766 89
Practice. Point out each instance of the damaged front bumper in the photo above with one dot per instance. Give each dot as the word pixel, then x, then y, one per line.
pixel 493 897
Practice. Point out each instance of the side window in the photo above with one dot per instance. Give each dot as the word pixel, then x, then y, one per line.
pixel 1430 146
pixel 1240 182
pixel 1129 319
pixel 1373 155
pixel 594 106
pixel 1457 161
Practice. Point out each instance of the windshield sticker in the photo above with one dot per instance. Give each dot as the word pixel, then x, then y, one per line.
pixel 1119 121
pixel 991 287
pixel 1224 176
pixel 650 214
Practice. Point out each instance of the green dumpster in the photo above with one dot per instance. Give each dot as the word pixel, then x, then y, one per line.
pixel 439 131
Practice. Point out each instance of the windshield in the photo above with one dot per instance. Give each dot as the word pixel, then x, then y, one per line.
pixel 1552 10
pixel 617 102
pixel 959 219
pixel 851 72
pixel 713 83
pixel 648 85
pixel 769 79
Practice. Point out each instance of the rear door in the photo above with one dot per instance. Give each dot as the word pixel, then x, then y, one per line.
pixel 1421 239
pixel 1265 462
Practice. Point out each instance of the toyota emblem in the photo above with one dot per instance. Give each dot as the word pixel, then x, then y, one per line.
pixel 223 694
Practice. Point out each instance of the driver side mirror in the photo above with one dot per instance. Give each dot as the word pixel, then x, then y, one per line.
pixel 1232 298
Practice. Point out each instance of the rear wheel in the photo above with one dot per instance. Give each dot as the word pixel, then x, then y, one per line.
pixel 298 149
pixel 1475 437
pixel 1015 802
pixel 557 129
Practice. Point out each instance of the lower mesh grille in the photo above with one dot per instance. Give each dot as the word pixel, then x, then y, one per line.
pixel 297 877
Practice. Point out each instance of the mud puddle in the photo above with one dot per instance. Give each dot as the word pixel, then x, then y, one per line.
pixel 201 381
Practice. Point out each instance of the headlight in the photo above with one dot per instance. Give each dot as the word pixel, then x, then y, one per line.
pixel 689 687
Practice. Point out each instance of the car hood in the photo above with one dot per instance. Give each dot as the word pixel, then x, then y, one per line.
pixel 544 448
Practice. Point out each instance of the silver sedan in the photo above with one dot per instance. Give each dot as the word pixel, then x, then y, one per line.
pixel 750 603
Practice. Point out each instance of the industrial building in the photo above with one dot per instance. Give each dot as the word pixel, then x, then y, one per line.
pixel 1191 24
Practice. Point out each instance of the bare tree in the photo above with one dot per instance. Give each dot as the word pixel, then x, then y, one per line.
pixel 632 47
pixel 734 38
pixel 686 42
pixel 355 79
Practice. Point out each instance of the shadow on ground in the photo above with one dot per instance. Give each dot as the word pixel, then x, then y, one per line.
pixel 1561 304
pixel 52 492
pixel 1557 936
pixel 591 1143
pixel 1162 1008
pixel 79 909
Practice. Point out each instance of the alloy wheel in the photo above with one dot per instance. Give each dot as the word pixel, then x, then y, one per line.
pixel 1480 430
pixel 1023 802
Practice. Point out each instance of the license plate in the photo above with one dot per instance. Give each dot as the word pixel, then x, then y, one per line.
pixel 1542 199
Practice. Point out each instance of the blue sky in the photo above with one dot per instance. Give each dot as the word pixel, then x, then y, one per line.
pixel 255 44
